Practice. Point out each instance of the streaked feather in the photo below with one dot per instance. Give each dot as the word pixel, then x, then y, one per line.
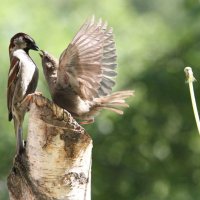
pixel 90 54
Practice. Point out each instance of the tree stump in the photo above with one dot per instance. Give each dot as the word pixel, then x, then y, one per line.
pixel 56 162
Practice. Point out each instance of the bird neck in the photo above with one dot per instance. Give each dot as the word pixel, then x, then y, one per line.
pixel 13 48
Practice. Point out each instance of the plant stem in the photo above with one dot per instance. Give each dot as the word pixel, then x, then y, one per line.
pixel 190 79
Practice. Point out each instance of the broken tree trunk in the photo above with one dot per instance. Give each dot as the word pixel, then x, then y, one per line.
pixel 56 162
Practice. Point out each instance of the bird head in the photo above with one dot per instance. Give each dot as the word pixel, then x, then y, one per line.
pixel 22 41
pixel 49 65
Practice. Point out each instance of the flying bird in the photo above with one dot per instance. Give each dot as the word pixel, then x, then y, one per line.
pixel 22 80
pixel 81 80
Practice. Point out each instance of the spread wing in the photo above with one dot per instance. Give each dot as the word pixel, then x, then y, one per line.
pixel 88 63
pixel 12 78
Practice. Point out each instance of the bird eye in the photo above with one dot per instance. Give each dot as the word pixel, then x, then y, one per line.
pixel 18 40
pixel 21 39
pixel 49 65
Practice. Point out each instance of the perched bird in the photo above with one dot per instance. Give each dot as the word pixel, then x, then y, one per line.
pixel 22 80
pixel 81 81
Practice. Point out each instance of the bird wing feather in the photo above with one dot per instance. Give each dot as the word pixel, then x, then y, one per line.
pixel 88 63
pixel 12 79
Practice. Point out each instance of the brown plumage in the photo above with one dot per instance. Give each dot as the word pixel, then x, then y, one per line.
pixel 82 80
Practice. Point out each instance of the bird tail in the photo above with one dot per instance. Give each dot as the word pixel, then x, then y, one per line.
pixel 20 145
pixel 19 136
pixel 114 101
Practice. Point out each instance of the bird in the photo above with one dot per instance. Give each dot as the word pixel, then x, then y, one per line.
pixel 22 81
pixel 81 81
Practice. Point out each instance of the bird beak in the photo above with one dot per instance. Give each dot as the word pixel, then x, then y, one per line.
pixel 34 47
pixel 42 53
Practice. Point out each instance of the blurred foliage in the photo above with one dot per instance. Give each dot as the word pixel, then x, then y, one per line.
pixel 153 151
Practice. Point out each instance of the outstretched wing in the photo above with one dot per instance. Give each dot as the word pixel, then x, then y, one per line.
pixel 88 63
pixel 12 78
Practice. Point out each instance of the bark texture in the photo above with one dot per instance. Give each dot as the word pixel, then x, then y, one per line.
pixel 56 162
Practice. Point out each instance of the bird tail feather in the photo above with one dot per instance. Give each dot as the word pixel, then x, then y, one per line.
pixel 114 101
pixel 19 136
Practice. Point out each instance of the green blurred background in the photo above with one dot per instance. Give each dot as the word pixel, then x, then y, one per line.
pixel 153 151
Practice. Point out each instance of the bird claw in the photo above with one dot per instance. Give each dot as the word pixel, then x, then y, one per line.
pixel 37 93
pixel 29 98
pixel 89 121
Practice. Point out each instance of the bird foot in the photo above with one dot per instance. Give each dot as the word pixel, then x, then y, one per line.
pixel 89 121
pixel 29 98
pixel 37 93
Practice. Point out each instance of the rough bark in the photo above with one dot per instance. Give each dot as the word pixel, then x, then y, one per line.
pixel 56 162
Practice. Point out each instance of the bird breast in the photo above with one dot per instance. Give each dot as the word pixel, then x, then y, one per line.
pixel 27 68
